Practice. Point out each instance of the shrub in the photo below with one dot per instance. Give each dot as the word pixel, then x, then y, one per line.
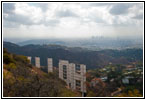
pixel 7 59
pixel 10 66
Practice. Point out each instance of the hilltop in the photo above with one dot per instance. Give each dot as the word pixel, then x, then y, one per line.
pixel 21 79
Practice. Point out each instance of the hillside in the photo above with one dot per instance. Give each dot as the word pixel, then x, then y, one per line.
pixel 93 59
pixel 21 79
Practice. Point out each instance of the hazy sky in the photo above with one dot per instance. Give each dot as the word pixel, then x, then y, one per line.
pixel 72 20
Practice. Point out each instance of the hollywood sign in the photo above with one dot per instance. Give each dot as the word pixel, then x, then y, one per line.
pixel 73 74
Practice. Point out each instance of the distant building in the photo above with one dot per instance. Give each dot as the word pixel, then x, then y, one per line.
pixel 130 67
pixel 50 65
pixel 104 78
pixel 125 80
pixel 73 75
pixel 37 62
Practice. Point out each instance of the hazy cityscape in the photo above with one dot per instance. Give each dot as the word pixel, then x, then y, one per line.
pixel 73 49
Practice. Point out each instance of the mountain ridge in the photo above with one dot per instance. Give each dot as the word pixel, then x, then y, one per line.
pixel 93 59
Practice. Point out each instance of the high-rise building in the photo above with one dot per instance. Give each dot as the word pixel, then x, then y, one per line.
pixel 37 62
pixel 50 65
pixel 73 75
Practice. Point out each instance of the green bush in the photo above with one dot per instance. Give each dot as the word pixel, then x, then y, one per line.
pixel 21 58
pixel 10 66
pixel 7 59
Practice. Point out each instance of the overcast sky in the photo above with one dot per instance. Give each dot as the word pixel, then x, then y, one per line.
pixel 72 20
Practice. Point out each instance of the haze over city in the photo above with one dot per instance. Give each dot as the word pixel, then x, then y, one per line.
pixel 72 20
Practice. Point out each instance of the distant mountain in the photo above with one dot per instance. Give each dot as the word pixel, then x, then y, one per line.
pixel 96 43
pixel 41 41
pixel 93 59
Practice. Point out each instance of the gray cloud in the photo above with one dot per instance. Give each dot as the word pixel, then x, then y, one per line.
pixel 84 14
pixel 139 16
pixel 120 8
pixel 101 4
pixel 19 19
pixel 43 6
pixel 8 7
pixel 10 24
pixel 52 22
pixel 66 13
pixel 97 19
pixel 13 20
